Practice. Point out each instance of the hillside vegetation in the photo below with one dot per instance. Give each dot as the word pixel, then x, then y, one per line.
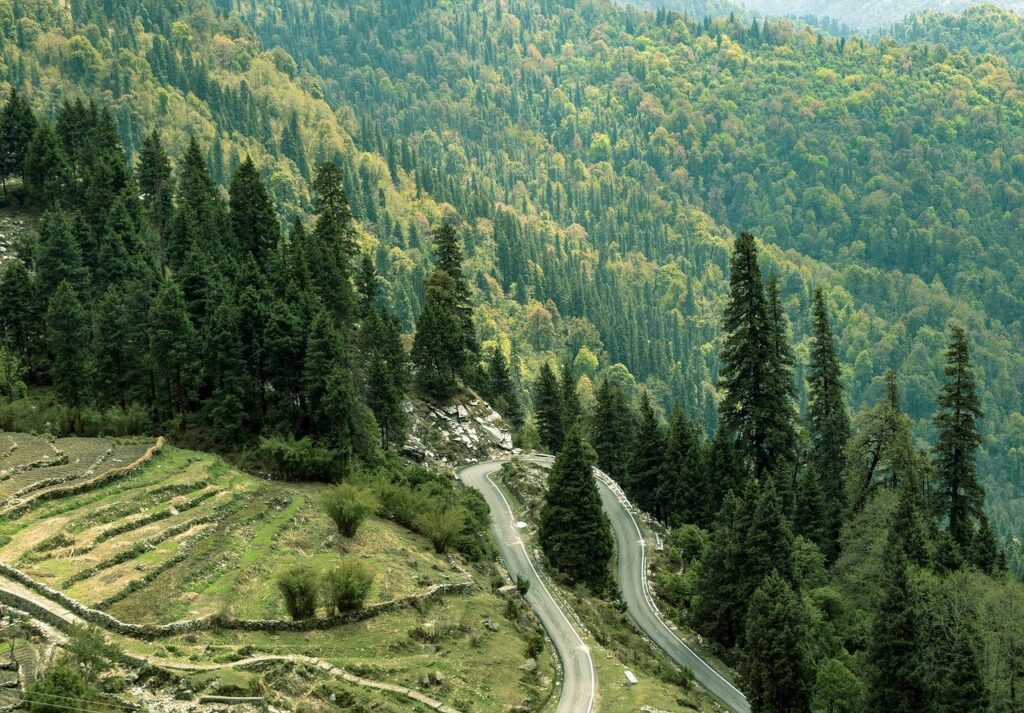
pixel 610 144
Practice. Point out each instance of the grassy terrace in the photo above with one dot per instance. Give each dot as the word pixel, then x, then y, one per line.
pixel 187 535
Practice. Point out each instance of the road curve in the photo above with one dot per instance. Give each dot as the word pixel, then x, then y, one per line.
pixel 631 570
pixel 579 683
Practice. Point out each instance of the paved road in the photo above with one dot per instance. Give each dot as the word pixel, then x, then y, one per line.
pixel 579 683
pixel 631 569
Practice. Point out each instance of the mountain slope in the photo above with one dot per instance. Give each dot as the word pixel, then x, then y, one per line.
pixel 594 157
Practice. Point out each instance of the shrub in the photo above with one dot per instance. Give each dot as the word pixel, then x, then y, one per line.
pixel 298 586
pixel 401 504
pixel 534 646
pixel 299 460
pixel 522 584
pixel 59 684
pixel 441 527
pixel 348 505
pixel 347 585
pixel 90 648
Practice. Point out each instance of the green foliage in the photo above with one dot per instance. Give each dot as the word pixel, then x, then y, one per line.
pixel 299 586
pixel 347 585
pixel 574 531
pixel 348 505
pixel 548 407
pixel 56 686
pixel 92 651
pixel 778 672
pixel 441 526
pixel 299 460
pixel 836 689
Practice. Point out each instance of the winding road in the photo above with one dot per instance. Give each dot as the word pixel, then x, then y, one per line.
pixel 580 685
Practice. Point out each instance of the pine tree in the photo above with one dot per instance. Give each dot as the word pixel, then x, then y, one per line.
pixel 647 462
pixel 253 219
pixel 331 247
pixel 46 173
pixel 21 316
pixel 323 351
pixel 569 397
pixel 438 353
pixel 548 400
pixel 59 257
pixel 777 670
pixel 17 125
pixel 756 412
pixel 612 430
pixel 684 491
pixel 894 648
pixel 67 329
pixel 387 377
pixel 722 596
pixel 292 146
pixel 828 425
pixel 810 517
pixel 780 418
pixel 962 687
pixel 768 544
pixel 502 389
pixel 574 531
pixel 449 257
pixel 157 188
pixel 957 440
pixel 172 344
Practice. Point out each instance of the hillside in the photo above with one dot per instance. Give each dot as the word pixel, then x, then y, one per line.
pixel 611 144
pixel 983 29
pixel 866 16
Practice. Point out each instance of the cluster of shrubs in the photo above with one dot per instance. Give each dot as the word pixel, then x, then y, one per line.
pixel 416 498
pixel 342 589
pixel 29 415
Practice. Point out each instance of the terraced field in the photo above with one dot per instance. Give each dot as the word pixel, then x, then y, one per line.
pixel 186 536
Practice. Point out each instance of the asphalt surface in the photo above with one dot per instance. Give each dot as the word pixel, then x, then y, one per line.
pixel 579 682
pixel 631 570
pixel 579 687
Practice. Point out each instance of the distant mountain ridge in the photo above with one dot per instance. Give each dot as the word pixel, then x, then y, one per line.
pixel 862 16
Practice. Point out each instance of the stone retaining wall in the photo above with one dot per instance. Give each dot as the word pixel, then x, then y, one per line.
pixel 83 485
pixel 212 622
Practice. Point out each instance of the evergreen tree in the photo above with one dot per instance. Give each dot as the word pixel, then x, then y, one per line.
pixel 722 596
pixel 449 257
pixel 957 440
pixel 46 173
pixel 612 430
pixel 172 349
pixel 323 352
pixel 810 517
pixel 768 545
pixel 157 187
pixel 387 377
pixel 67 329
pixel 17 125
pixel 548 400
pixel 569 397
pixel 331 247
pixel 647 462
pixel 253 219
pixel 59 257
pixel 574 531
pixel 502 389
pixel 828 425
pixel 780 413
pixel 21 318
pixel 777 670
pixel 438 355
pixel 894 648
pixel 685 491
pixel 961 685
pixel 756 412
pixel 292 146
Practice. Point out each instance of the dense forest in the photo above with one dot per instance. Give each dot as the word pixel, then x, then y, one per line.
pixel 982 29
pixel 610 145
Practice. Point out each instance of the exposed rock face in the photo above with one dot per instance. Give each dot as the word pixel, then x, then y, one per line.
pixel 467 429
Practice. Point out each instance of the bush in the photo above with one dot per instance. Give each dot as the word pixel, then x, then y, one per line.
pixel 89 647
pixel 441 527
pixel 298 586
pixel 522 584
pixel 348 505
pixel 347 586
pixel 534 646
pixel 299 460
pixel 59 684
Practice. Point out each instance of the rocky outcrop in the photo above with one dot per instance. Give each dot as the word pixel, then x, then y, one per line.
pixel 466 429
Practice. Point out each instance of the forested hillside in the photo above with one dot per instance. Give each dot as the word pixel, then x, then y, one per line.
pixel 595 160
pixel 984 29
pixel 869 15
